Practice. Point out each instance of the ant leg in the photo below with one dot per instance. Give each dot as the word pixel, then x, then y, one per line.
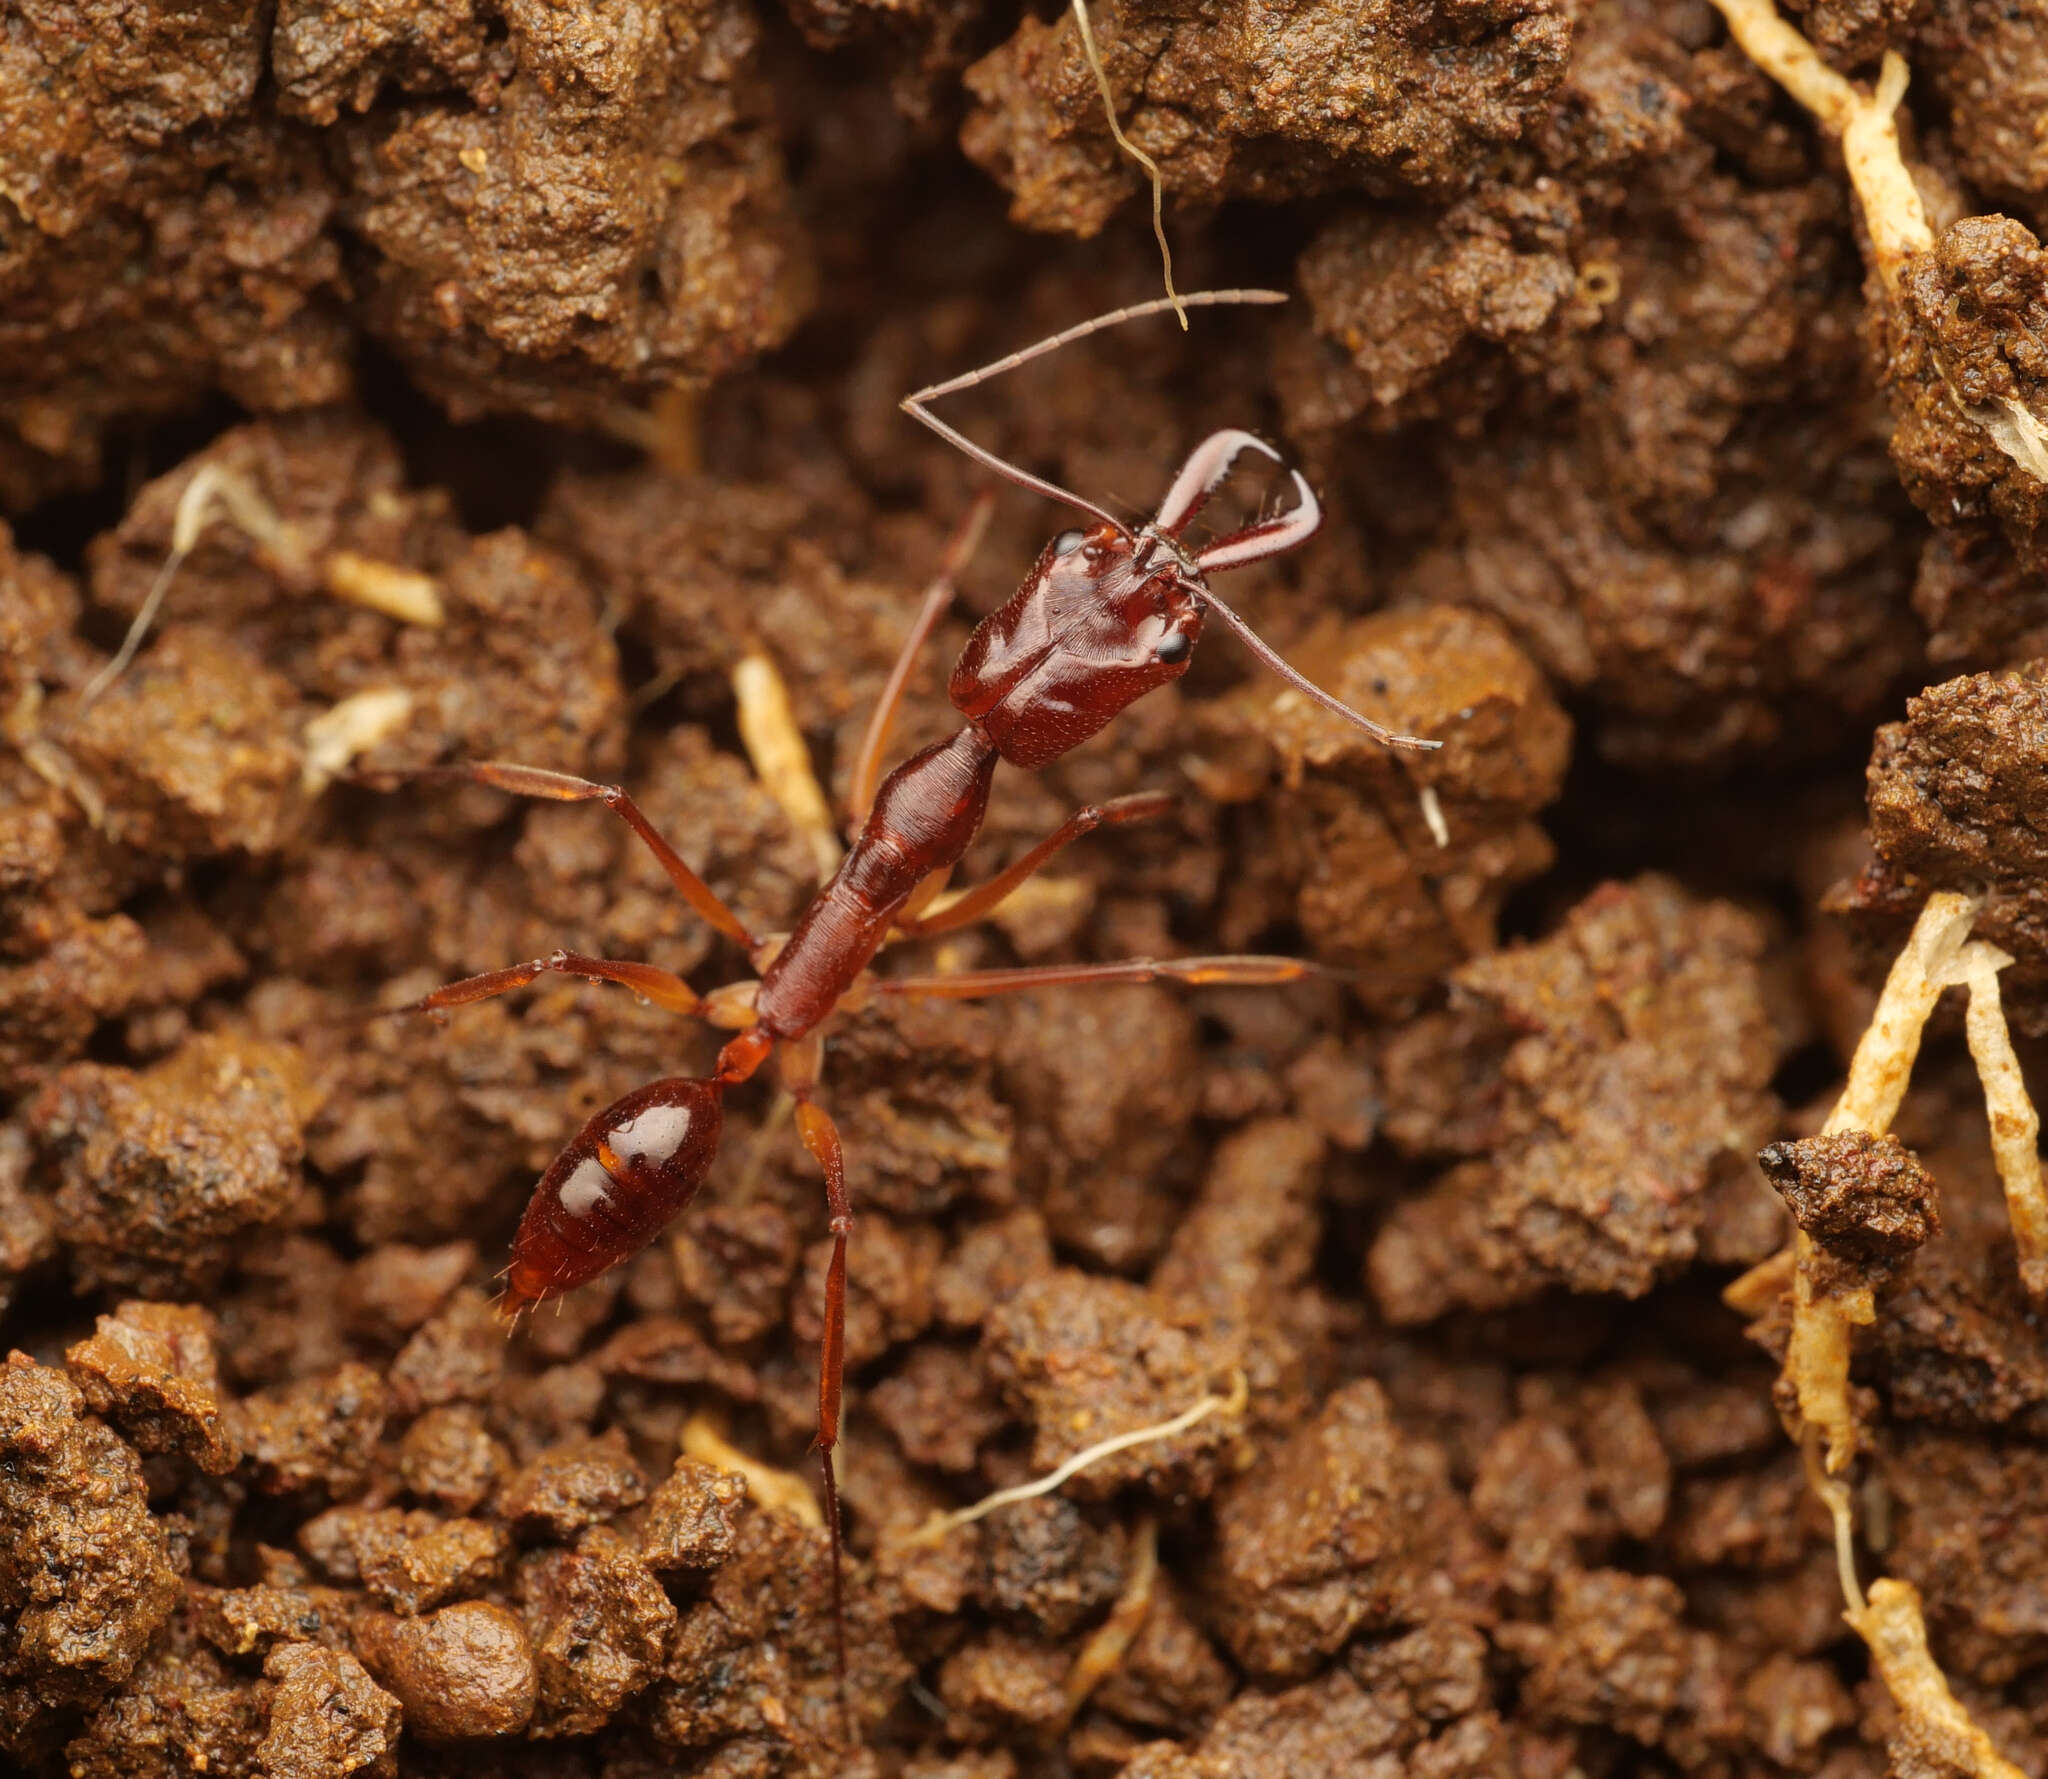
pixel 938 597
pixel 560 787
pixel 658 986
pixel 984 898
pixel 801 1064
pixel 969 985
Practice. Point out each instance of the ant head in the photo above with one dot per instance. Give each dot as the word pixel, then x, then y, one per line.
pixel 1108 613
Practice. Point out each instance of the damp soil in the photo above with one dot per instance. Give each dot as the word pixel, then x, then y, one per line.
pixel 587 323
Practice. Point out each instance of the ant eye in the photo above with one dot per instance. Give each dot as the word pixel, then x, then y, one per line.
pixel 1173 647
pixel 1067 542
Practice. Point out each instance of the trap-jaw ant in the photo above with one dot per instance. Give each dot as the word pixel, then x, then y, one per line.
pixel 1107 613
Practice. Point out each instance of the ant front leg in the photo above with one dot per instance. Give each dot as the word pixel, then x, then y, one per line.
pixel 985 898
pixel 938 598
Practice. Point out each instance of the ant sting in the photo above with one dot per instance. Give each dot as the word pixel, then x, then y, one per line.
pixel 1106 614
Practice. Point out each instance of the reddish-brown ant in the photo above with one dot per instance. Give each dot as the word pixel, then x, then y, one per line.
pixel 1105 615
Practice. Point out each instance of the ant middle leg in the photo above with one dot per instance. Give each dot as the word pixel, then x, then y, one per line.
pixel 984 898
pixel 561 787
pixel 659 986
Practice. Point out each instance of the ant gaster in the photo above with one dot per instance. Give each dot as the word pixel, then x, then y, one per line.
pixel 1106 614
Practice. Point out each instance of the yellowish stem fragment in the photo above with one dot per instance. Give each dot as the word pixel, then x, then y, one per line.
pixel 1891 1623
pixel 336 737
pixel 1886 1052
pixel 2015 1125
pixel 1104 1652
pixel 1892 209
pixel 780 1491
pixel 401 593
pixel 940 1524
pixel 1093 57
pixel 782 761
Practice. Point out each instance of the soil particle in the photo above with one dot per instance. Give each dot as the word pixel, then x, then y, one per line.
pixel 1005 1684
pixel 448 1458
pixel 456 1355
pixel 257 1620
pixel 735 1262
pixel 164 1174
pixel 1970 1531
pixel 1043 1561
pixel 85 1571
pixel 505 274
pixel 409 1562
pixel 327 1716
pixel 395 1288
pixel 1990 66
pixel 1964 338
pixel 600 1625
pixel 1643 998
pixel 463 1673
pixel 1347 1526
pixel 689 1522
pixel 1861 1197
pixel 1171 1677
pixel 195 748
pixel 1330 1727
pixel 751 1669
pixel 1087 1358
pixel 1353 857
pixel 988 1266
pixel 1617 1654
pixel 940 1407
pixel 1245 1251
pixel 572 1485
pixel 1260 105
pixel 1095 1087
pixel 318 1433
pixel 1961 1341
pixel 1954 798
pixel 183 1711
pixel 150 1368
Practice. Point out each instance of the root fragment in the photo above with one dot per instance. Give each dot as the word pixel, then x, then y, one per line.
pixel 1104 1652
pixel 217 492
pixel 1891 1623
pixel 1093 57
pixel 1888 1618
pixel 2015 1125
pixel 1892 209
pixel 935 1529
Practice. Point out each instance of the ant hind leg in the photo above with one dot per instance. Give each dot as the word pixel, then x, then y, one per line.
pixel 1202 972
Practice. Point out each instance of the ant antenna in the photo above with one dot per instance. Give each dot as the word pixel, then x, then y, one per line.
pixel 1270 656
pixel 914 405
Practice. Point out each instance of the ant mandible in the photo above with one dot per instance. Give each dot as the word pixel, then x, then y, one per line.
pixel 1106 614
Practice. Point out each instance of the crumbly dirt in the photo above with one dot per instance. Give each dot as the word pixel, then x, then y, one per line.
pixel 505 375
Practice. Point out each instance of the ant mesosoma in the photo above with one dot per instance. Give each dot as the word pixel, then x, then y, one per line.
pixel 1106 614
